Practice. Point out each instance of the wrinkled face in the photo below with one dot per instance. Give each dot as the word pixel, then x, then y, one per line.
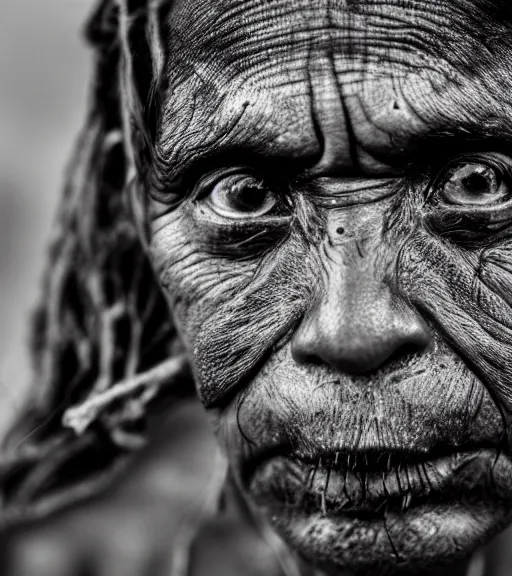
pixel 330 219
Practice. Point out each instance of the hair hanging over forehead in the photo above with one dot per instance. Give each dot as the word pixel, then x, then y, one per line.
pixel 104 345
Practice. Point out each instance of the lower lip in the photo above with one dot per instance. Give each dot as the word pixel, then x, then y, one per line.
pixel 342 492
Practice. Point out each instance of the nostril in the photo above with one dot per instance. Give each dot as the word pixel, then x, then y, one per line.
pixel 308 359
pixel 405 351
pixel 359 330
pixel 364 354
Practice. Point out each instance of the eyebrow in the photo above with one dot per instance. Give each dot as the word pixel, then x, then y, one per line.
pixel 464 138
pixel 425 149
pixel 186 173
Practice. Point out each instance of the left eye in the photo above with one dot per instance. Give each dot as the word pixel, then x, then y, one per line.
pixel 474 184
pixel 241 196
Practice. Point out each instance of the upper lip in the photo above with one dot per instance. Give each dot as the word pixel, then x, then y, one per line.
pixel 376 461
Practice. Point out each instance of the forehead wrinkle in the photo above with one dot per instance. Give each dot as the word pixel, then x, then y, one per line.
pixel 237 34
pixel 253 38
pixel 279 122
pixel 261 40
pixel 276 116
pixel 244 120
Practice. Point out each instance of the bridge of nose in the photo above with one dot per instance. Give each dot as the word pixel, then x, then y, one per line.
pixel 358 321
pixel 357 299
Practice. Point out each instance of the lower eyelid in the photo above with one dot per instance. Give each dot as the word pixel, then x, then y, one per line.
pixel 471 224
pixel 243 239
pixel 206 217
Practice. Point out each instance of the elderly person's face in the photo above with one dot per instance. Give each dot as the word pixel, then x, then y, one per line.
pixel 330 220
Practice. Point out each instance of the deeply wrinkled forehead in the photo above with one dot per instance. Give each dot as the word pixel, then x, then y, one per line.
pixel 237 34
pixel 261 75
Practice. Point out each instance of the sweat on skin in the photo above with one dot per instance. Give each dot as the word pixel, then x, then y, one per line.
pixel 360 307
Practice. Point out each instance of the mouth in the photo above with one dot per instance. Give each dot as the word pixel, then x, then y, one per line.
pixel 368 484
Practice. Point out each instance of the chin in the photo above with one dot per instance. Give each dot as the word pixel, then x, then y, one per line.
pixel 385 514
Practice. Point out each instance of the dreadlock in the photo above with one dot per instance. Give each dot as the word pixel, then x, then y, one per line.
pixel 104 346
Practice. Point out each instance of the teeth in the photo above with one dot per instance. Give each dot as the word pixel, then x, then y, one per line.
pixel 354 487
pixel 376 487
pixel 391 483
pixel 367 482
pixel 344 485
pixel 415 482
pixel 406 502
pixel 348 483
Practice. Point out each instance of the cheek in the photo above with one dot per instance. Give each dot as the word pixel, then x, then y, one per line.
pixel 433 400
pixel 230 314
pixel 468 297
pixel 194 281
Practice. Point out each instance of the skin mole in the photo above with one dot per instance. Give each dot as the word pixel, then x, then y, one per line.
pixel 303 183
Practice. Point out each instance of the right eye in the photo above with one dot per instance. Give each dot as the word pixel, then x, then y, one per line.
pixel 241 196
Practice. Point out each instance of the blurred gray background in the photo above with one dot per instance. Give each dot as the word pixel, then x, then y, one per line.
pixel 44 75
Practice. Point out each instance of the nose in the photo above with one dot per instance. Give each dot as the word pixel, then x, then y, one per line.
pixel 359 325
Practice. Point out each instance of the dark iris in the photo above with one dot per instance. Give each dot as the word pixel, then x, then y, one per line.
pixel 249 199
pixel 476 184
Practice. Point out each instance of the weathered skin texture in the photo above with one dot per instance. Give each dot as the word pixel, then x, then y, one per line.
pixel 350 331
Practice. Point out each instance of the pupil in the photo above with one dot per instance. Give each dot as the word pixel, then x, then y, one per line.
pixel 476 184
pixel 249 199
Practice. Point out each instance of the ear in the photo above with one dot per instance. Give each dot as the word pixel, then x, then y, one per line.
pixel 104 345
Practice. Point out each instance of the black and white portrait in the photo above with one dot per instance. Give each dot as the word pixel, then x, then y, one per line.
pixel 273 327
